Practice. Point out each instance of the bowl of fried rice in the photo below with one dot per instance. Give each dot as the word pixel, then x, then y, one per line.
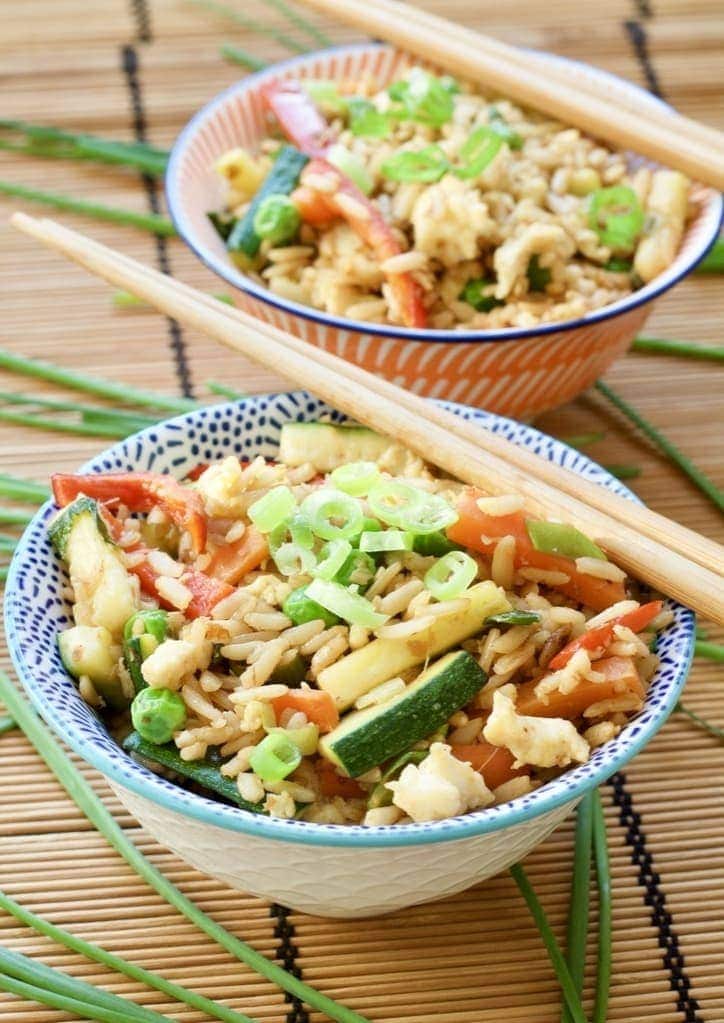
pixel 449 239
pixel 321 670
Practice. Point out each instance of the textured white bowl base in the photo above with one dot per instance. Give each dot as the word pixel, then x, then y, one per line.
pixel 336 881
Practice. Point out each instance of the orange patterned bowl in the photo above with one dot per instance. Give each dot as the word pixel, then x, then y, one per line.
pixel 515 372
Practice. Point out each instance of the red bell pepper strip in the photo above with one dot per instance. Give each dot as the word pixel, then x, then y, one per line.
pixel 603 635
pixel 140 492
pixel 207 592
pixel 302 123
pixel 481 532
pixel 232 561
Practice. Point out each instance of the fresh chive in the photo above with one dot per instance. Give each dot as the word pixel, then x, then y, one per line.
pixel 101 955
pixel 578 910
pixel 603 881
pixel 55 998
pixel 127 300
pixel 713 262
pixel 124 423
pixel 47 141
pixel 247 60
pixel 583 440
pixel 701 722
pixel 3 573
pixel 300 22
pixel 153 222
pixel 224 391
pixel 624 472
pixel 22 490
pixel 710 651
pixel 701 633
pixel 86 799
pixel 685 348
pixel 549 940
pixel 63 426
pixel 223 297
pixel 14 398
pixel 14 518
pixel 76 381
pixel 695 474
pixel 7 724
pixel 8 543
pixel 251 25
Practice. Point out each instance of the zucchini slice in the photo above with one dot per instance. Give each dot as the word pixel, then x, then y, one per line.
pixel 90 650
pixel 382 659
pixel 366 738
pixel 329 445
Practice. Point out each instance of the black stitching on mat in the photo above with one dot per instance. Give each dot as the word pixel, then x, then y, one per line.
pixel 644 8
pixel 640 42
pixel 287 953
pixel 142 18
pixel 649 879
pixel 178 345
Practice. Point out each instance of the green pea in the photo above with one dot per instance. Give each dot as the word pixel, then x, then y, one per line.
pixel 299 608
pixel 157 714
pixel 277 219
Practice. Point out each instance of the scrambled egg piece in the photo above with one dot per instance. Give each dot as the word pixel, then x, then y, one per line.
pixel 542 742
pixel 448 219
pixel 442 786
pixel 173 660
pixel 549 242
pixel 243 173
pixel 221 489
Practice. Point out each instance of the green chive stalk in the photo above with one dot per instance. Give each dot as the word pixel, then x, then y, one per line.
pixel 42 977
pixel 7 543
pixel 153 222
pixel 684 463
pixel 3 573
pixel 315 34
pixel 47 141
pixel 578 911
pixel 624 472
pixel 713 262
pixel 111 430
pixel 14 518
pixel 7 724
pixel 86 799
pixel 710 651
pixel 243 58
pixel 583 440
pixel 101 955
pixel 684 348
pixel 124 393
pixel 251 24
pixel 701 722
pixel 603 881
pixel 120 415
pixel 565 980
pixel 225 392
pixel 76 1007
pixel 22 490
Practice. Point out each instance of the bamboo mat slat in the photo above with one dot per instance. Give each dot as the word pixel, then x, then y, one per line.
pixel 476 957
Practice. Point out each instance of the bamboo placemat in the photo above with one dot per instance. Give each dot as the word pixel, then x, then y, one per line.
pixel 132 68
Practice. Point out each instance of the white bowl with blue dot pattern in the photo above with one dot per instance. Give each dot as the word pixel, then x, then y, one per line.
pixel 326 869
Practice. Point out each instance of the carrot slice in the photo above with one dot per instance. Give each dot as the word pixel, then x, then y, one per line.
pixel 319 707
pixel 495 763
pixel 233 561
pixel 331 783
pixel 603 635
pixel 620 677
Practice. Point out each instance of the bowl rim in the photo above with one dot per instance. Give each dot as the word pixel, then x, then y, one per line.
pixel 242 282
pixel 122 770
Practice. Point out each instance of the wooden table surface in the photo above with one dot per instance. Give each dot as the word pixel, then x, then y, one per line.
pixel 139 68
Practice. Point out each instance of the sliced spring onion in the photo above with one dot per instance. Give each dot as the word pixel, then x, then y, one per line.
pixel 306 738
pixel 514 618
pixel 351 165
pixel 500 126
pixel 618 266
pixel 538 276
pixel 277 219
pixel 559 538
pixel 273 509
pixel 358 570
pixel 365 120
pixel 424 97
pixel 325 94
pixel 333 514
pixel 301 531
pixel 402 505
pixel 616 216
pixel 451 575
pixel 356 478
pixel 479 293
pixel 425 165
pixel 332 556
pixel 291 559
pixel 387 540
pixel 346 604
pixel 479 150
pixel 275 757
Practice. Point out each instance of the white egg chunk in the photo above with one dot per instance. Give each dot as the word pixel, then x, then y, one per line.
pixel 172 661
pixel 441 786
pixel 541 742
pixel 221 487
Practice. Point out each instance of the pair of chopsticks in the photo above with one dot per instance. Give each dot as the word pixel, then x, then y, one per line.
pixel 664 554
pixel 572 97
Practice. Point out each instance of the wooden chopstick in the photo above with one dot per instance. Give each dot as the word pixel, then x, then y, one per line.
pixel 673 143
pixel 679 538
pixel 636 103
pixel 377 404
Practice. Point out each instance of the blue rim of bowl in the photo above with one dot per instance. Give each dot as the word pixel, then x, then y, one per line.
pixel 568 788
pixel 375 330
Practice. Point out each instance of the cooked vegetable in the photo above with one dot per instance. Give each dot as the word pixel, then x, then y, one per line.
pixel 204 773
pixel 480 149
pixel 424 165
pixel 90 650
pixel 480 294
pixel 232 561
pixel 603 635
pixel 539 277
pixel 319 707
pixel 514 618
pixel 158 713
pixel 356 478
pixel 424 97
pixel 300 608
pixel 433 544
pixel 358 570
pixel 365 120
pixel 620 677
pixel 293 559
pixel 333 514
pixel 559 538
pixel 351 166
pixel 290 673
pixel 332 557
pixel 346 604
pixel 300 120
pixel 368 737
pixel 206 592
pixel 382 659
pixel 616 216
pixel 330 445
pixel 277 220
pixel 281 180
pixel 142 633
pixel 306 738
pixel 450 577
pixel 272 509
pixel 495 763
pixel 275 757
pixel 381 795
pixel 500 126
pixel 400 504
pixel 139 492
pixel 386 540
pixel 332 783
